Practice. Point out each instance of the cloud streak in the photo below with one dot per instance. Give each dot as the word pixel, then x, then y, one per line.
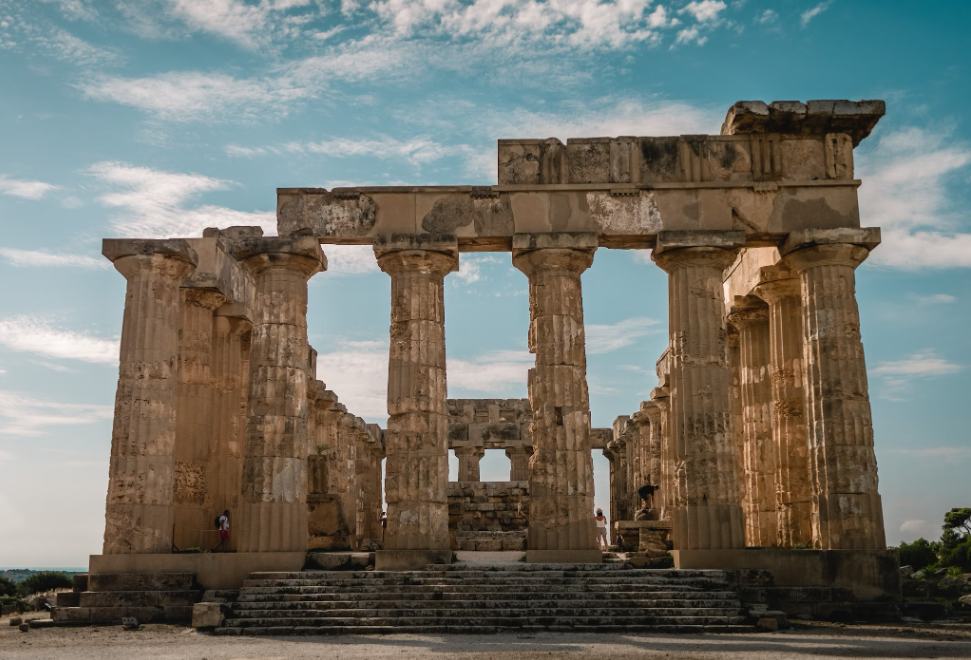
pixel 36 258
pixel 26 416
pixel 24 189
pixel 607 338
pixel 36 335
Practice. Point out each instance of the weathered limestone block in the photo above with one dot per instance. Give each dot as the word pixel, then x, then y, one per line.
pixel 760 463
pixel 273 511
pixel 193 475
pixel 416 439
pixel 488 506
pixel 710 515
pixel 646 536
pixel 138 516
pixel 561 469
pixel 779 287
pixel 848 513
pixel 519 462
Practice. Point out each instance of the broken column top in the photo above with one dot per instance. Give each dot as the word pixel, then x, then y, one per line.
pixel 855 118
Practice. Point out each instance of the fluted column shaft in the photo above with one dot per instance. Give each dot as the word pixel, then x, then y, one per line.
pixel 760 463
pixel 848 509
pixel 193 495
pixel 416 441
pixel 518 463
pixel 561 469
pixel 230 348
pixel 469 458
pixel 790 426
pixel 710 516
pixel 667 478
pixel 273 508
pixel 139 513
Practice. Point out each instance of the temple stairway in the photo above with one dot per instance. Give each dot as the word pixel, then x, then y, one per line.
pixel 477 598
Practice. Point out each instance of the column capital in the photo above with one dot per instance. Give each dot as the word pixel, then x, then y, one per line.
pixel 866 237
pixel 777 282
pixel 301 254
pixel 205 298
pixel 518 450
pixel 425 262
pixel 748 310
pixel 842 254
pixel 566 260
pixel 469 450
pixel 171 258
pixel 693 257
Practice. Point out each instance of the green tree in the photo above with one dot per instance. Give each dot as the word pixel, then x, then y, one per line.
pixel 958 519
pixel 919 554
pixel 7 587
pixel 44 581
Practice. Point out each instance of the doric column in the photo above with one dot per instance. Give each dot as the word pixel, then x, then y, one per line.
pixel 648 418
pixel 561 525
pixel 139 513
pixel 230 349
pixel 779 287
pixel 666 480
pixel 273 512
pixel 612 453
pixel 518 462
pixel 469 458
pixel 416 440
pixel 710 517
pixel 849 512
pixel 760 465
pixel 193 496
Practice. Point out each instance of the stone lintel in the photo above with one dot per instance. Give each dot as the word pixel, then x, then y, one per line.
pixel 555 240
pixel 867 237
pixel 660 393
pixel 176 248
pixel 855 118
pixel 600 437
pixel 676 240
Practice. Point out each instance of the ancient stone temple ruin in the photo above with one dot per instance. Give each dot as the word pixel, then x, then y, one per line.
pixel 758 433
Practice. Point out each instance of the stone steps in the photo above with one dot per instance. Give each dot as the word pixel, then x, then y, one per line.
pixel 479 629
pixel 485 598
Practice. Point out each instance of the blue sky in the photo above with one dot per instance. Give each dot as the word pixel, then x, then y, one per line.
pixel 157 118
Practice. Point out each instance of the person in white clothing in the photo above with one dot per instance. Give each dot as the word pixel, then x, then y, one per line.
pixel 601 529
pixel 223 527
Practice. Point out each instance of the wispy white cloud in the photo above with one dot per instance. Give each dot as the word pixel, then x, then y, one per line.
pixel 810 14
pixel 920 364
pixel 23 188
pixel 936 299
pixel 358 372
pixel 767 17
pixel 74 9
pixel 26 416
pixel 606 338
pixel 416 151
pixel 155 204
pixel 905 185
pixel 43 259
pixel 350 260
pixel 497 372
pixel 704 11
pixel 898 375
pixel 471 266
pixel 39 336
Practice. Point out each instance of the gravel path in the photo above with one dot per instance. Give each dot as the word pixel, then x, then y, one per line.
pixel 160 642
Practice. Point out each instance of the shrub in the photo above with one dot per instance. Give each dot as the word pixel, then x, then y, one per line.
pixel 919 554
pixel 7 587
pixel 44 581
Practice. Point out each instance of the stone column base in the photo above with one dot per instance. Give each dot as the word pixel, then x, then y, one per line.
pixel 564 557
pixel 213 570
pixel 410 560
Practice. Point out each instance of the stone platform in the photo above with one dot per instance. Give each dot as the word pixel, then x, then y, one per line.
pixel 476 598
pixel 218 570
pixel 146 597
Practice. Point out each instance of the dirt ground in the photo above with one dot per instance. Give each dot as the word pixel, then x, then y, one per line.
pixel 806 640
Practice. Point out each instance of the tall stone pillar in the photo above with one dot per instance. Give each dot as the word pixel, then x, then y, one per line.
pixel 710 516
pixel 193 494
pixel 273 512
pixel 230 349
pixel 518 463
pixel 760 464
pixel 612 453
pixel 848 509
pixel 469 458
pixel 139 512
pixel 416 440
pixel 666 479
pixel 561 524
pixel 779 287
